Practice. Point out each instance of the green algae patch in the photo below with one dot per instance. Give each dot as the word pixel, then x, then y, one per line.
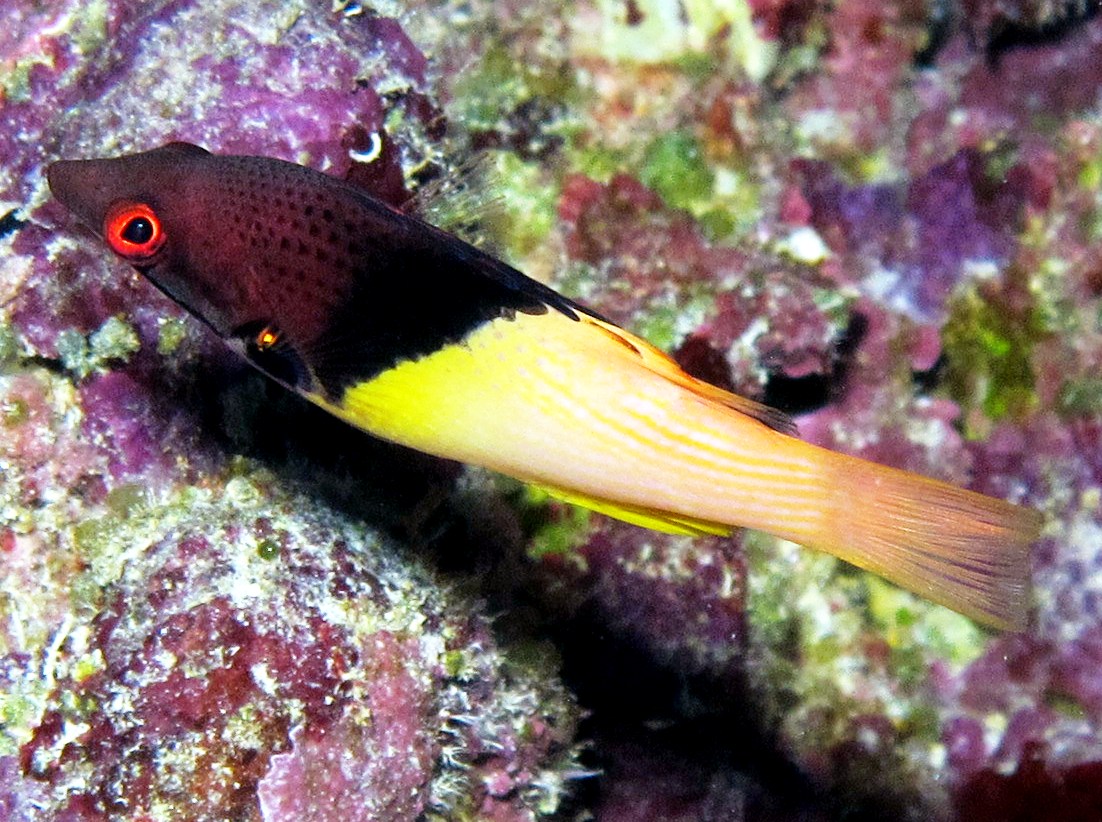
pixel 529 202
pixel 597 161
pixel 244 728
pixel 9 345
pixel 917 631
pixel 20 708
pixel 725 201
pixel 456 663
pixel 267 549
pixel 501 84
pixel 675 167
pixel 554 532
pixel 171 331
pixel 14 411
pixel 72 349
pixel 551 527
pixel 989 349
pixel 114 341
pixel 89 665
pixel 127 499
pixel 667 31
pixel 666 325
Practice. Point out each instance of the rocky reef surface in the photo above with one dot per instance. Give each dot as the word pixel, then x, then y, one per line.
pixel 882 217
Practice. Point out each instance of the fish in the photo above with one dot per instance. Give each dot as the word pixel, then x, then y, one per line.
pixel 415 336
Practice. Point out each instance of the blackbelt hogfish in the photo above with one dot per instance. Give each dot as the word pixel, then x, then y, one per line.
pixel 415 336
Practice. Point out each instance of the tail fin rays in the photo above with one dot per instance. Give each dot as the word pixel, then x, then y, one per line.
pixel 961 549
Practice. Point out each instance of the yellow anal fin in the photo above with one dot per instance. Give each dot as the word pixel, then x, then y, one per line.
pixel 655 520
pixel 660 363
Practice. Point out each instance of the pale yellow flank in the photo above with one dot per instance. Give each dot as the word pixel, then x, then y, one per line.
pixel 603 419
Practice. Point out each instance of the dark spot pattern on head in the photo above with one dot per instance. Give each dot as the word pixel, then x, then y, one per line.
pixel 353 286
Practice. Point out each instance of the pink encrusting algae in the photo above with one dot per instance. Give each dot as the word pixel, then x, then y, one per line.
pixel 884 216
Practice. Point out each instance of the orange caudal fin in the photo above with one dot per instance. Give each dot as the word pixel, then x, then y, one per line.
pixel 961 549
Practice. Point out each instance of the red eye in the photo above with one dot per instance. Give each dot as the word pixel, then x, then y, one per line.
pixel 133 230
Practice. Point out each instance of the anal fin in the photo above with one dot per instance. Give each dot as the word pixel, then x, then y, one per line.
pixel 647 518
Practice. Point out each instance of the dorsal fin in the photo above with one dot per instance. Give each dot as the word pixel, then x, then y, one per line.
pixel 185 148
pixel 661 363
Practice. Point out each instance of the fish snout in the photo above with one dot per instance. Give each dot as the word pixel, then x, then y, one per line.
pixel 61 177
pixel 85 187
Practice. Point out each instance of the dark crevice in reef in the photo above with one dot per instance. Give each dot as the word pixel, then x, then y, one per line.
pixel 10 223
pixel 802 395
pixel 1007 34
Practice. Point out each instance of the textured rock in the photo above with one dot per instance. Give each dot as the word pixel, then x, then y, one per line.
pixel 883 215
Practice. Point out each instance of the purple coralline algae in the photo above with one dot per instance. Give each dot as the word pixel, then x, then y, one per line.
pixel 919 234
pixel 884 217
pixel 184 636
pixel 237 654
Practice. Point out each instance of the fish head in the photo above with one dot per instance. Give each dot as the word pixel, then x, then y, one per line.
pixel 313 280
pixel 152 210
pixel 198 227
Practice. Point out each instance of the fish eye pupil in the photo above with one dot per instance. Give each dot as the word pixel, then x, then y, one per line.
pixel 133 230
pixel 138 231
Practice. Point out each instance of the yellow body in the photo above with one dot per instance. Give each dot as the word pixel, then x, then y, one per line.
pixel 602 418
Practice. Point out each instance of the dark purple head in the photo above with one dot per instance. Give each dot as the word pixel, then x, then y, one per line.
pixel 234 240
pixel 148 211
pixel 250 245
pixel 314 280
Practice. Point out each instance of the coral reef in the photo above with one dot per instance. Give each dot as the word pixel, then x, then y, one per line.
pixel 184 636
pixel 237 652
pixel 882 216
